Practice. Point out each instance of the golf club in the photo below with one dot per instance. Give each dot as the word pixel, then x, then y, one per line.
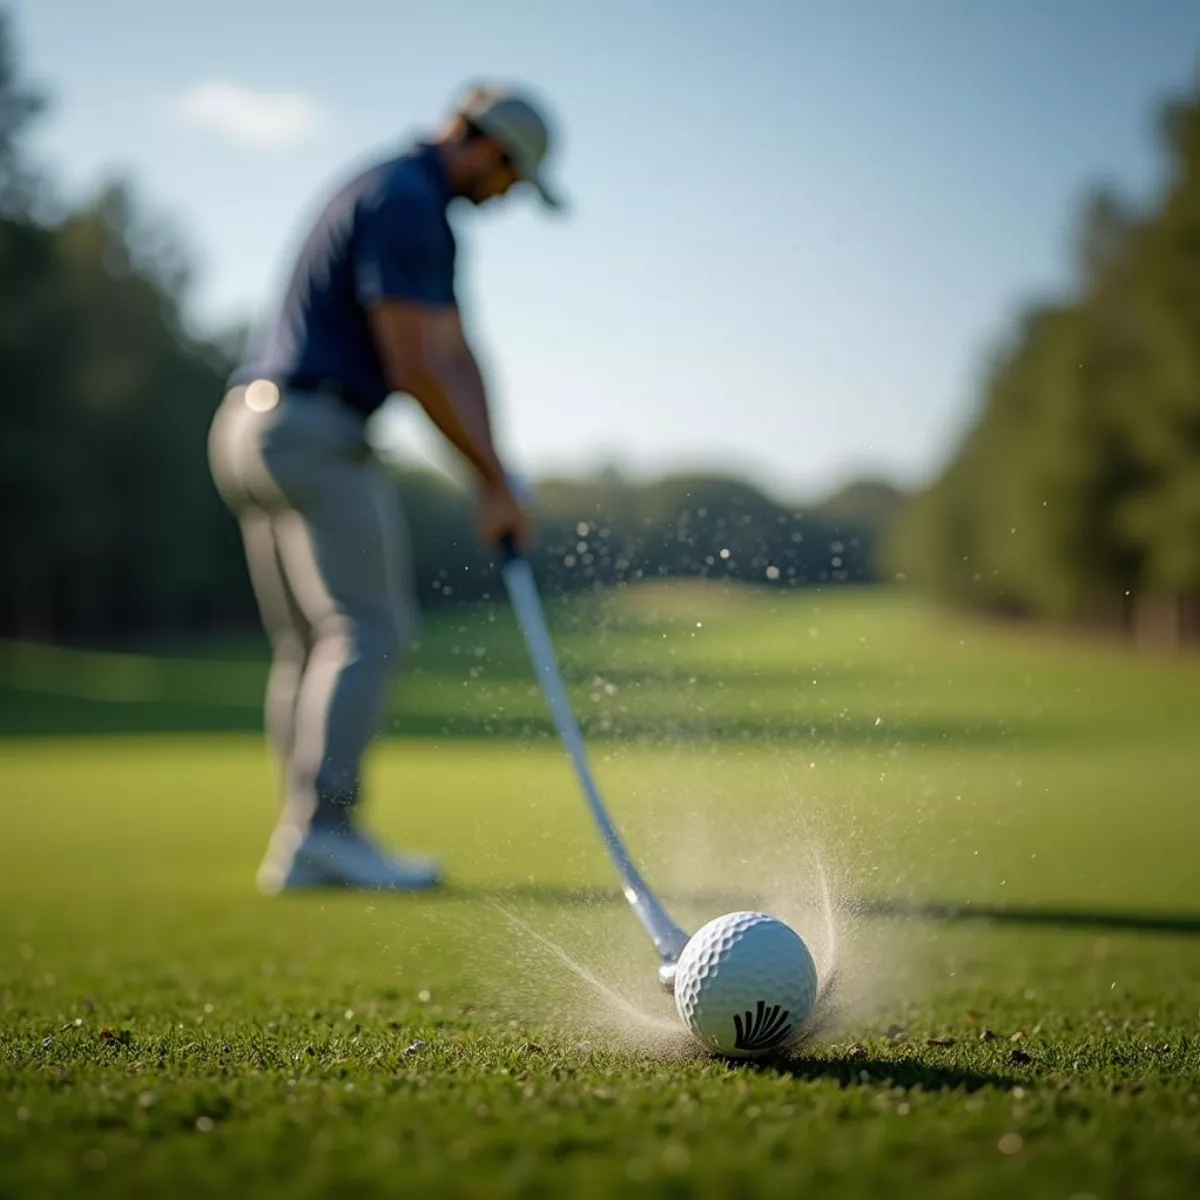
pixel 669 939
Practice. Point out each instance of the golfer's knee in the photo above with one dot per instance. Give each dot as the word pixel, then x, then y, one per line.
pixel 364 639
pixel 289 647
pixel 372 638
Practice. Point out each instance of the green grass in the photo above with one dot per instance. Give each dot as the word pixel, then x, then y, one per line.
pixel 1009 822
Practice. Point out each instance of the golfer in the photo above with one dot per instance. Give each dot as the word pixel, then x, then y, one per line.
pixel 370 310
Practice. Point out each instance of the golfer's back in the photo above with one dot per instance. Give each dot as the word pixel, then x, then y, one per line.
pixel 383 236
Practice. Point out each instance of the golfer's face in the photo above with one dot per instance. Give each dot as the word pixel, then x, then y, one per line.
pixel 495 178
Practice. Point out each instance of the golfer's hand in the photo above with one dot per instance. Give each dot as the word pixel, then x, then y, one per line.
pixel 498 514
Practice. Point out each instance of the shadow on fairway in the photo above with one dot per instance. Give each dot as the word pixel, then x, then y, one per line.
pixel 29 713
pixel 1185 924
pixel 868 1072
pixel 55 691
pixel 1179 924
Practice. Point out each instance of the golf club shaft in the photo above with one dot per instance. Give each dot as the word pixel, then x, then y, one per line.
pixel 669 940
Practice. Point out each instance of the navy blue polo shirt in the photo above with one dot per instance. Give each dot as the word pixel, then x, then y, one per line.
pixel 384 236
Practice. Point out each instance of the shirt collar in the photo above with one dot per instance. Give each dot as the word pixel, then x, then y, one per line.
pixel 430 158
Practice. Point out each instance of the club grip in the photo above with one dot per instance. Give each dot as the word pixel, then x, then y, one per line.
pixel 509 550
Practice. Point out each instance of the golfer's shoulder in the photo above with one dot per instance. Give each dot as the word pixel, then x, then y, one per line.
pixel 402 188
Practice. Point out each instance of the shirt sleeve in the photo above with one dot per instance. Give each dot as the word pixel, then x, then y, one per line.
pixel 404 253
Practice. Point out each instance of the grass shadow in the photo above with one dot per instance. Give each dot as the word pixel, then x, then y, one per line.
pixel 1184 924
pixel 1179 924
pixel 32 714
pixel 867 1072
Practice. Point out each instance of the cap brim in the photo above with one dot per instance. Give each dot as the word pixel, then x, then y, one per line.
pixel 550 198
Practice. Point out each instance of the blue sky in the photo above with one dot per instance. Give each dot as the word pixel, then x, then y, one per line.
pixel 797 226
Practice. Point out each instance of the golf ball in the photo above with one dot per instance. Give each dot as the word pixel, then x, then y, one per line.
pixel 745 984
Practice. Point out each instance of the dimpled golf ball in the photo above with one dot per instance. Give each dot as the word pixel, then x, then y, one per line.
pixel 745 985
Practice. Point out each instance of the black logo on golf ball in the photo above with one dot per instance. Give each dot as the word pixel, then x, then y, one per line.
pixel 762 1029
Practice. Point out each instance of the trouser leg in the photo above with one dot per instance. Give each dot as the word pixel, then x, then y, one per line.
pixel 337 558
pixel 285 625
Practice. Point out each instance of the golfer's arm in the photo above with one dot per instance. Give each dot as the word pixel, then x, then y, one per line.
pixel 426 355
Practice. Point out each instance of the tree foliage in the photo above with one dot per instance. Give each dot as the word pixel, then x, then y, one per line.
pixel 110 526
pixel 19 105
pixel 1076 491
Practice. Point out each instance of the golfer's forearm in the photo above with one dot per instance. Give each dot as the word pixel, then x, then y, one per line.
pixel 450 390
pixel 477 392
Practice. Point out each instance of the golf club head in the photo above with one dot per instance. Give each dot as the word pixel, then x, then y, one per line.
pixel 666 977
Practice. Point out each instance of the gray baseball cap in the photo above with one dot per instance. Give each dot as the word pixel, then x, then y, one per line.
pixel 516 121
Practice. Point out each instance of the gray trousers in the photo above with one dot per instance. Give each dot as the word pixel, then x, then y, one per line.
pixel 328 558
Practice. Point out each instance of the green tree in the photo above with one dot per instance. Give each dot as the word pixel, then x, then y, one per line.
pixel 1076 492
pixel 19 105
pixel 1159 517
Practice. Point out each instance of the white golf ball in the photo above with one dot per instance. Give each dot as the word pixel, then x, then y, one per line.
pixel 745 984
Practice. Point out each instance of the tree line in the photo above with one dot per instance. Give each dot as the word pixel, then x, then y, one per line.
pixel 1075 494
pixel 110 527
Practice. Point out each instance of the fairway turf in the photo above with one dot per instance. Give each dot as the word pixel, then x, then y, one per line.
pixel 1009 824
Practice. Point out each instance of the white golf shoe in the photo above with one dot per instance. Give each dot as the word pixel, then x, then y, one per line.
pixel 324 857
